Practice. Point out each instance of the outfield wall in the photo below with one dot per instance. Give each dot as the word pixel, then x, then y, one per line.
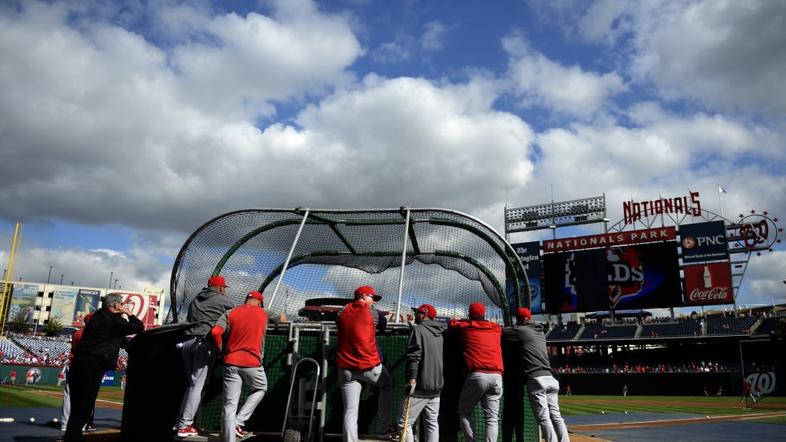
pixel 49 375
pixel 649 384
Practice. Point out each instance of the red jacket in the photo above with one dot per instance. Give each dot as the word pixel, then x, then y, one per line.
pixel 75 340
pixel 357 340
pixel 482 345
pixel 245 327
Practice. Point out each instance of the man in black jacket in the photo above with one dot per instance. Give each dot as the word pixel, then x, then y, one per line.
pixel 96 353
pixel 528 342
pixel 424 372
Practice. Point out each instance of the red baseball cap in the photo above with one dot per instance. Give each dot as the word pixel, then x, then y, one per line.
pixel 256 295
pixel 365 290
pixel 477 310
pixel 523 314
pixel 426 309
pixel 217 281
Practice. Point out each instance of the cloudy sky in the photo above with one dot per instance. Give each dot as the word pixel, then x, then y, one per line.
pixel 125 126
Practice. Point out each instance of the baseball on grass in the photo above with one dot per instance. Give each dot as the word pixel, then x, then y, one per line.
pixel 626 411
pixel 32 419
pixel 602 412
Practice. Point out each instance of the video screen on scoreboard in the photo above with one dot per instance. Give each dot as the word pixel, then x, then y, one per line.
pixel 628 277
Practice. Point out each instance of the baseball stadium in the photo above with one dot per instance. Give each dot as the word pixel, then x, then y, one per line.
pixel 642 328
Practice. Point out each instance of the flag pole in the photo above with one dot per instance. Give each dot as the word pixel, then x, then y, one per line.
pixel 720 200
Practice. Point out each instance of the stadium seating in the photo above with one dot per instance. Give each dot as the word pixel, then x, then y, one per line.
pixel 46 351
pixel 10 349
pixel 766 327
pixel 729 326
pixel 686 327
pixel 601 331
pixel 566 332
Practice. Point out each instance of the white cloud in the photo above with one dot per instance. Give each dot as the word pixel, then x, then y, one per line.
pixel 540 81
pixel 727 55
pixel 433 33
pixel 763 282
pixel 135 269
pixel 392 52
pixel 419 144
pixel 254 59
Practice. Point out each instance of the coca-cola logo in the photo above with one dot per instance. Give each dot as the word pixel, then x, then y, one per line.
pixel 711 294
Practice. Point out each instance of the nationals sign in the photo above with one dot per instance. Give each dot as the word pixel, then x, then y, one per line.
pixel 708 284
pixel 610 239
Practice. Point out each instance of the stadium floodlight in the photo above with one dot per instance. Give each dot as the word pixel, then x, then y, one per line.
pixel 556 214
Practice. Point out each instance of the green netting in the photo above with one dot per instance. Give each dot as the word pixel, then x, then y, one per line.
pixel 269 415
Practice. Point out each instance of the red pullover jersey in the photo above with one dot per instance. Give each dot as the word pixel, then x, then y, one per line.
pixel 245 326
pixel 482 345
pixel 75 340
pixel 357 341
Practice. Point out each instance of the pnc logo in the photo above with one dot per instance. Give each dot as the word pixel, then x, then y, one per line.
pixel 690 242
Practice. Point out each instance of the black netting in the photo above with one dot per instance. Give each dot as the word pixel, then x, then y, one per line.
pixel 452 259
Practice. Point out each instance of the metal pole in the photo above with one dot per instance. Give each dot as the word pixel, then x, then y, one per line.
pixel 9 276
pixel 111 275
pixel 289 256
pixel 403 263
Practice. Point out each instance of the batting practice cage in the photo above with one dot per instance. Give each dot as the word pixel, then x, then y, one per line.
pixel 307 263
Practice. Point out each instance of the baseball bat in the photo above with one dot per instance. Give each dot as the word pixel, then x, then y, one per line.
pixel 406 419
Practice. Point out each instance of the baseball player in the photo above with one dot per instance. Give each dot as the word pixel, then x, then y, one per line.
pixel 528 341
pixel 483 357
pixel 359 361
pixel 424 373
pixel 199 353
pixel 243 330
pixel 12 375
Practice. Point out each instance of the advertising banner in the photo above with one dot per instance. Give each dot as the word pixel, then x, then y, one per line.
pixel 108 379
pixel 708 284
pixel 529 253
pixel 23 301
pixel 64 305
pixel 86 303
pixel 621 278
pixel 144 307
pixel 703 242
pixel 610 239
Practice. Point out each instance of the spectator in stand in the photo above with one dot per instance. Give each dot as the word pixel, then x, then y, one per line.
pixel 96 353
pixel 199 352
pixel 481 344
pixel 359 361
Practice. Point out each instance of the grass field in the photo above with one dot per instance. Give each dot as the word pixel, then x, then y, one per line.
pixel 46 395
pixel 701 405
